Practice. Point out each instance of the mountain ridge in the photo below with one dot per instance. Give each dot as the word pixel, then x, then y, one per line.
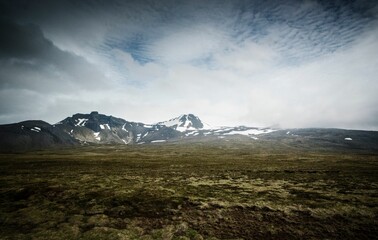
pixel 96 128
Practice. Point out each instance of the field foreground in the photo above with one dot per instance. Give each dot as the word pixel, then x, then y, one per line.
pixel 196 191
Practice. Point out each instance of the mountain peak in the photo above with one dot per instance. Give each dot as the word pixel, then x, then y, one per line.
pixel 184 123
pixel 94 121
pixel 188 115
pixel 94 113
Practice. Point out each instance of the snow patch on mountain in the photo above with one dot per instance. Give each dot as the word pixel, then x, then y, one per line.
pixel 207 126
pixel 80 122
pixel 104 126
pixel 96 136
pixel 35 129
pixel 250 132
pixel 192 133
pixel 139 135
pixel 172 122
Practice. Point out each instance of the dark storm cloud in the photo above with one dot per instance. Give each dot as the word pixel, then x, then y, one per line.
pixel 29 60
pixel 34 72
pixel 22 41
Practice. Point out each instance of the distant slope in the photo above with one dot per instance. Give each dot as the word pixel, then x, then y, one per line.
pixel 327 138
pixel 32 135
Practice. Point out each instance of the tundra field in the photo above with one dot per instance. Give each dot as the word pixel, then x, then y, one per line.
pixel 199 190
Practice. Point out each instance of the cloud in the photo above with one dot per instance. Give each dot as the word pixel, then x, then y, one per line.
pixel 335 90
pixel 133 69
pixel 34 71
pixel 29 59
pixel 297 63
pixel 187 44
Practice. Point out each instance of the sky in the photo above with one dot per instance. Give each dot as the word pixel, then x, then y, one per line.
pixel 289 64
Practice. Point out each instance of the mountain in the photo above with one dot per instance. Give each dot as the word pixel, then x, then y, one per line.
pixel 95 128
pixel 99 128
pixel 28 135
pixel 186 122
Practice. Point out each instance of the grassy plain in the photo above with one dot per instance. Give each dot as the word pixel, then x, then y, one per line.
pixel 188 191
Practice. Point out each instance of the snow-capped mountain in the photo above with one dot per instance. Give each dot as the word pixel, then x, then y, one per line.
pixel 100 128
pixel 95 128
pixel 183 123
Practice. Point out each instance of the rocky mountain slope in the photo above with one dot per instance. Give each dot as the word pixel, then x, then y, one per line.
pixel 96 128
pixel 99 128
